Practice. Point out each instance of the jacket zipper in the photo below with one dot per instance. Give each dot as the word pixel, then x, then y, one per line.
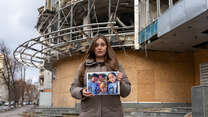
pixel 100 97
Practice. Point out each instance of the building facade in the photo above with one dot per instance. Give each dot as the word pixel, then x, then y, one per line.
pixel 160 44
pixel 3 87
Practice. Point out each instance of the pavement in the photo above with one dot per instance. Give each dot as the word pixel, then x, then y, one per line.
pixel 4 108
pixel 17 112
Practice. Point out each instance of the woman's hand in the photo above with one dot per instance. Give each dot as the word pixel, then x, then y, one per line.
pixel 120 76
pixel 86 93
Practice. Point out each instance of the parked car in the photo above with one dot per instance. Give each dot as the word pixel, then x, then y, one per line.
pixel 24 103
pixel 1 103
pixel 30 103
pixel 6 103
pixel 27 103
pixel 11 106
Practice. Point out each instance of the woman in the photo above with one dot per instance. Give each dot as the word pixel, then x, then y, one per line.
pixel 100 58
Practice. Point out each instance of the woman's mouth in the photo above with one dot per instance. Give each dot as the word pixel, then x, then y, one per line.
pixel 100 52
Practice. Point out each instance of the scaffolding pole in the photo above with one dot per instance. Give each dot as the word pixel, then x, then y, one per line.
pixel 147 13
pixel 59 26
pixel 109 14
pixel 170 3
pixel 88 17
pixel 71 19
pixel 158 8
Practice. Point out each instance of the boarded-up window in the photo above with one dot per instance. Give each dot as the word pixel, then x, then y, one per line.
pixel 204 74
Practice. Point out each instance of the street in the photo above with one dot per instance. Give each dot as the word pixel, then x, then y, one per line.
pixel 15 112
pixel 3 108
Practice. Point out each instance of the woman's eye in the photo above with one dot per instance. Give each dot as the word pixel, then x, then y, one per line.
pixel 102 44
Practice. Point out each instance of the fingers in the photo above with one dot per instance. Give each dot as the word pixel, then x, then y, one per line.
pixel 86 93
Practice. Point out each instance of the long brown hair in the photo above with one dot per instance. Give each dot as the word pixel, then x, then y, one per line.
pixel 110 60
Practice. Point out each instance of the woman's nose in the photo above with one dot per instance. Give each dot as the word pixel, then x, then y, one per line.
pixel 99 46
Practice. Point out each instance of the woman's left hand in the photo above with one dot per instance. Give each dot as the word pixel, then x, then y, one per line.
pixel 120 76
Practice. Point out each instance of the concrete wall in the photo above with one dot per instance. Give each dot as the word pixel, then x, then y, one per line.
pixel 45 99
pixel 46 95
pixel 158 77
pixel 47 79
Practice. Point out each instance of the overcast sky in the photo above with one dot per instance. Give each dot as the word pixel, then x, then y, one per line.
pixel 17 25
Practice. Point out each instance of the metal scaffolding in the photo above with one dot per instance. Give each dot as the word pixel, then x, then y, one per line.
pixel 67 28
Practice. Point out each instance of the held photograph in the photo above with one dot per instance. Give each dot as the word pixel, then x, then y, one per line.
pixel 103 83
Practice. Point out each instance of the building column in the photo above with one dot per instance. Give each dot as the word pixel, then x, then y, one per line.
pixel 46 95
pixel 136 24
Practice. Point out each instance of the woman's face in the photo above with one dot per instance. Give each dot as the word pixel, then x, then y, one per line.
pixel 100 48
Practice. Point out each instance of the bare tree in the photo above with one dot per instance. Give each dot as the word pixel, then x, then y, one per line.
pixel 31 93
pixel 20 90
pixel 9 71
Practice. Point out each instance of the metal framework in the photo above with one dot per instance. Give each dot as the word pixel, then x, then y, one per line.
pixel 67 28
pixel 64 31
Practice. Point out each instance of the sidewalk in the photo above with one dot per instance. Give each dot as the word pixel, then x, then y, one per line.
pixel 17 112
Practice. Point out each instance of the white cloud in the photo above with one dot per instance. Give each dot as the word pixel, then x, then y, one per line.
pixel 17 22
pixel 18 19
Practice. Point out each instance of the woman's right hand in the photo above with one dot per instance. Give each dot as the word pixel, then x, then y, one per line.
pixel 86 93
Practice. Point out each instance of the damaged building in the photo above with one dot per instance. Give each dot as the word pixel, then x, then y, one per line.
pixel 162 45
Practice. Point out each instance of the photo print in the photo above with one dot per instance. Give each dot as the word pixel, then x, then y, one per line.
pixel 103 83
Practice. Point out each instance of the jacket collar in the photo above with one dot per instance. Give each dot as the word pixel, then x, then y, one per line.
pixel 91 62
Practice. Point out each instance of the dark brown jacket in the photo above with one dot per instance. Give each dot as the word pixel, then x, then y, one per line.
pixel 99 106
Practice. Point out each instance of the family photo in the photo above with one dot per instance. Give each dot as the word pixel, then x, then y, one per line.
pixel 103 83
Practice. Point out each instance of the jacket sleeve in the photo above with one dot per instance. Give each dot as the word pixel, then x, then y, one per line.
pixel 76 86
pixel 125 85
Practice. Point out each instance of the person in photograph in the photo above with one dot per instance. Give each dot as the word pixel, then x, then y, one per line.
pixel 103 88
pixel 93 85
pixel 112 84
pixel 102 83
pixel 100 57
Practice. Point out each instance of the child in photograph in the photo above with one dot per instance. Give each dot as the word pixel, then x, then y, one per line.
pixel 92 84
pixel 113 84
pixel 102 85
